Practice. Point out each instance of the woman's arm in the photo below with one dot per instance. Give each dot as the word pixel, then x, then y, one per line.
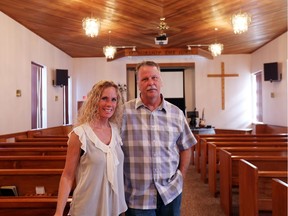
pixel 68 175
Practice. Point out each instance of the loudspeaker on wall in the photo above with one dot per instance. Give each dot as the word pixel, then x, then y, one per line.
pixel 61 77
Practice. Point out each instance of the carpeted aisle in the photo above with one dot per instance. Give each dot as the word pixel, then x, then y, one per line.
pixel 196 199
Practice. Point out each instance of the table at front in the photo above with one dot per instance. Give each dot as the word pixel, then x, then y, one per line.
pixel 203 130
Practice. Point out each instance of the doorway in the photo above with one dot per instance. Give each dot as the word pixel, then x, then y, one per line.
pixel 257 97
pixel 38 101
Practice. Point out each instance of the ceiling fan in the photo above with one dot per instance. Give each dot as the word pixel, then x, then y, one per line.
pixel 162 38
pixel 162 26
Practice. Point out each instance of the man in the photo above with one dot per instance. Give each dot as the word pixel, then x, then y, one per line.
pixel 156 145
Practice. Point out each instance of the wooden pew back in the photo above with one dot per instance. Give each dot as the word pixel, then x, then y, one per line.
pixel 211 157
pixel 229 158
pixel 255 188
pixel 32 162
pixel 33 144
pixel 269 129
pixel 229 169
pixel 246 149
pixel 14 151
pixel 196 150
pixel 58 130
pixel 30 206
pixel 199 136
pixel 279 197
pixel 233 131
pixel 42 139
pixel 26 180
pixel 11 137
pixel 50 136
pixel 203 142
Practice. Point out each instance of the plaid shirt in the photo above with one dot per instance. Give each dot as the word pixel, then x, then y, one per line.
pixel 151 145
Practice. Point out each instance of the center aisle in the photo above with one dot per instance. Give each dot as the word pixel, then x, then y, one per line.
pixel 196 199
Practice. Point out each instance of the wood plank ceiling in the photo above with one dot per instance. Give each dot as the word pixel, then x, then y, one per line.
pixel 135 22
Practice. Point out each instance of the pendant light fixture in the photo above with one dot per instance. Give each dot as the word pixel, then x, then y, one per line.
pixel 91 25
pixel 110 51
pixel 215 48
pixel 240 22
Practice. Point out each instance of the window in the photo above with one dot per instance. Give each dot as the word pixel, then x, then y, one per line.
pixel 67 92
pixel 257 97
pixel 38 101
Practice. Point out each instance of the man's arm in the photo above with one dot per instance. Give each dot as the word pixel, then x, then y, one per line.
pixel 185 158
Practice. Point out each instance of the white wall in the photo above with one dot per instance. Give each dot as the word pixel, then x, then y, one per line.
pixel 274 109
pixel 237 113
pixel 238 90
pixel 19 47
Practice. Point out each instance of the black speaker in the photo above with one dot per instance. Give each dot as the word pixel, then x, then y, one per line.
pixel 61 77
pixel 271 72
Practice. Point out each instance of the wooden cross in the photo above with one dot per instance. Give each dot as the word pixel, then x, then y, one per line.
pixel 222 76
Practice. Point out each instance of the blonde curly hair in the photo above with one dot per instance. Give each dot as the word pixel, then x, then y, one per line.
pixel 89 109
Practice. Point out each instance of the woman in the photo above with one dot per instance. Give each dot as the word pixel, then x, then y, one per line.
pixel 94 157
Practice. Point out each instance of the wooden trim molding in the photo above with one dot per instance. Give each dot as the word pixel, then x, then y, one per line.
pixel 161 52
pixel 178 65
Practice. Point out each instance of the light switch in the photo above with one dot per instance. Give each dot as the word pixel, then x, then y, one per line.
pixel 18 93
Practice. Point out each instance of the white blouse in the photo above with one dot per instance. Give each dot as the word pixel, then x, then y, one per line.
pixel 99 177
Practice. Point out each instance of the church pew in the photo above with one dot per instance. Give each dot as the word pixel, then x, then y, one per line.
pixel 32 162
pixel 204 148
pixel 279 197
pixel 247 148
pixel 213 159
pixel 229 170
pixel 32 151
pixel 233 131
pixel 26 180
pixel 255 188
pixel 218 132
pixel 42 139
pixel 57 130
pixel 11 137
pixel 33 144
pixel 211 136
pixel 30 206
pixel 201 146
pixel 268 129
pixel 28 200
pixel 50 136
